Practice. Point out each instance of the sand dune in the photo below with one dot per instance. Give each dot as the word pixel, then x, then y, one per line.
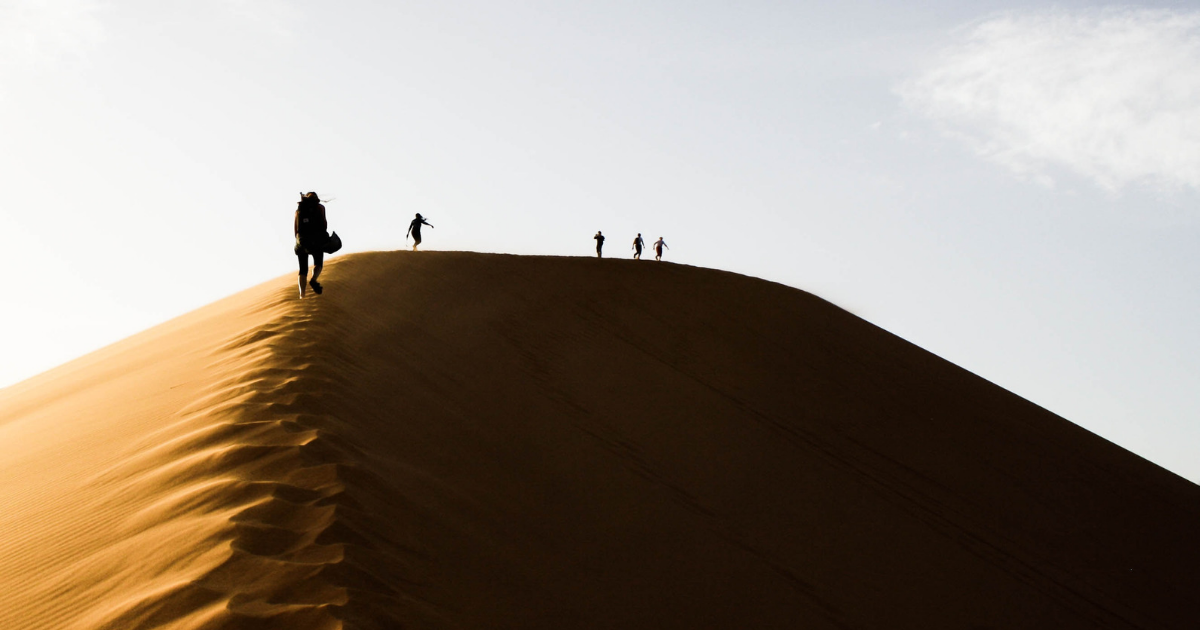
pixel 453 440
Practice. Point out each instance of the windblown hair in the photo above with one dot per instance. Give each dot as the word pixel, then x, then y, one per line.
pixel 308 199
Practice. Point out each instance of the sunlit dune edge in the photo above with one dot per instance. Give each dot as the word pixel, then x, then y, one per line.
pixel 459 440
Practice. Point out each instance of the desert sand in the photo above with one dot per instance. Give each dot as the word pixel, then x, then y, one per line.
pixel 457 440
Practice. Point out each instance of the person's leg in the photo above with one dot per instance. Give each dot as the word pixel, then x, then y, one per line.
pixel 303 259
pixel 416 241
pixel 318 262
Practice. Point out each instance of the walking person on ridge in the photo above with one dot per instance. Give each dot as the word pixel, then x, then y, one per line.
pixel 414 228
pixel 599 244
pixel 310 226
pixel 658 247
pixel 638 244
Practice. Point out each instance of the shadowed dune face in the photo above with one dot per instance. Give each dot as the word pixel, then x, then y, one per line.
pixel 467 440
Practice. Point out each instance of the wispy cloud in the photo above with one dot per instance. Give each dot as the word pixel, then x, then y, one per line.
pixel 1113 95
pixel 40 31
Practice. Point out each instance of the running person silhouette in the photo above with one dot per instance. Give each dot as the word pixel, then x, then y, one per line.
pixel 414 228
pixel 638 244
pixel 310 226
pixel 599 244
pixel 658 246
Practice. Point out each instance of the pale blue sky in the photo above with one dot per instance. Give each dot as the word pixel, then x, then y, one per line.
pixel 1011 187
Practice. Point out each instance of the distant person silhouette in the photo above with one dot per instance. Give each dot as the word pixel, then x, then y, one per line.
pixel 310 226
pixel 414 228
pixel 658 245
pixel 638 244
pixel 599 244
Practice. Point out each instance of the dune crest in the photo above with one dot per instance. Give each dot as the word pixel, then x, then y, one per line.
pixel 228 510
pixel 466 440
pixel 261 455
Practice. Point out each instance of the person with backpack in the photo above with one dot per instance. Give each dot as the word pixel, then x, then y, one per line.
pixel 414 228
pixel 658 247
pixel 638 244
pixel 310 226
pixel 599 244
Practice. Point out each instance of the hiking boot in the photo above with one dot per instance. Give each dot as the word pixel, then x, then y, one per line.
pixel 316 286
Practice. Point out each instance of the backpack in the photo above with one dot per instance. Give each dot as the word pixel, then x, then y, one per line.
pixel 308 219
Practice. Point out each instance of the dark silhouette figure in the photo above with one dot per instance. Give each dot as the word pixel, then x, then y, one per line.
pixel 638 244
pixel 310 226
pixel 414 228
pixel 658 247
pixel 599 244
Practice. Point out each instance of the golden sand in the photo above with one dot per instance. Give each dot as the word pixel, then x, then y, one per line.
pixel 454 440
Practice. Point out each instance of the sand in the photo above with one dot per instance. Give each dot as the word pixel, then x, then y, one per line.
pixel 456 440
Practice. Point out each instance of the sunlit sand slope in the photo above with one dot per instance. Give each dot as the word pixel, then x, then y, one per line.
pixel 452 440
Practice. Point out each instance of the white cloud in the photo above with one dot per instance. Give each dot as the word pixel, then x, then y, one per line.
pixel 1113 95
pixel 39 31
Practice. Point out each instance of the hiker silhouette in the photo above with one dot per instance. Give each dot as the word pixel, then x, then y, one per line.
pixel 599 244
pixel 414 229
pixel 638 244
pixel 658 247
pixel 310 226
